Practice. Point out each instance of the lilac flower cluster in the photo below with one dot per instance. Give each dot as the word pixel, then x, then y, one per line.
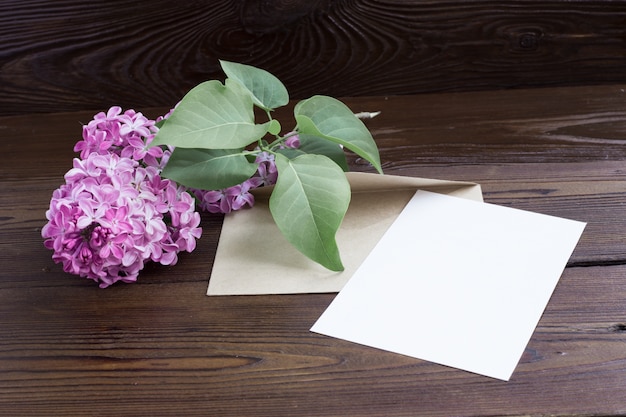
pixel 115 212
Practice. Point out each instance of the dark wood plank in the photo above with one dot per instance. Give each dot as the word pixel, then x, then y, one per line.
pixel 74 55
pixel 540 125
pixel 155 350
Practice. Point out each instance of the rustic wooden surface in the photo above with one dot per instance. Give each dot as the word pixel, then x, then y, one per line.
pixel 160 347
pixel 77 55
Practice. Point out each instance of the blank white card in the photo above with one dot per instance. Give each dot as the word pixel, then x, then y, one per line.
pixel 456 282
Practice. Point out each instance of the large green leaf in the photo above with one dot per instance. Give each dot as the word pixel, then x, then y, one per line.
pixel 267 91
pixel 212 116
pixel 309 202
pixel 330 119
pixel 321 146
pixel 310 144
pixel 208 169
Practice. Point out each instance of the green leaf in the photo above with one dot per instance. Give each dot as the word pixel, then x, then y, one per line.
pixel 310 144
pixel 212 116
pixel 208 169
pixel 290 152
pixel 330 119
pixel 321 146
pixel 308 203
pixel 274 127
pixel 267 91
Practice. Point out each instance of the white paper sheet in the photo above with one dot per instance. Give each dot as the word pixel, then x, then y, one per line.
pixel 456 282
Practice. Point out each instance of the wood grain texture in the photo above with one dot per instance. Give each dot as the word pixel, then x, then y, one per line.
pixel 160 347
pixel 73 55
pixel 140 351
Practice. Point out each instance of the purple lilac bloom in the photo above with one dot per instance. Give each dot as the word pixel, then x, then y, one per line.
pixel 266 170
pixel 112 216
pixel 115 212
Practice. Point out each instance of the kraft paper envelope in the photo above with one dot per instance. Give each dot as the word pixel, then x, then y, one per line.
pixel 253 257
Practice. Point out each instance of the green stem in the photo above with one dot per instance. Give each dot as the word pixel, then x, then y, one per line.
pixel 269 117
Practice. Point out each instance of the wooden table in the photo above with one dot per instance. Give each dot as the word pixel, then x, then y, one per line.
pixel 162 348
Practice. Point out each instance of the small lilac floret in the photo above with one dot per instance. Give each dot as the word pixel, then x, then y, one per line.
pixel 293 141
